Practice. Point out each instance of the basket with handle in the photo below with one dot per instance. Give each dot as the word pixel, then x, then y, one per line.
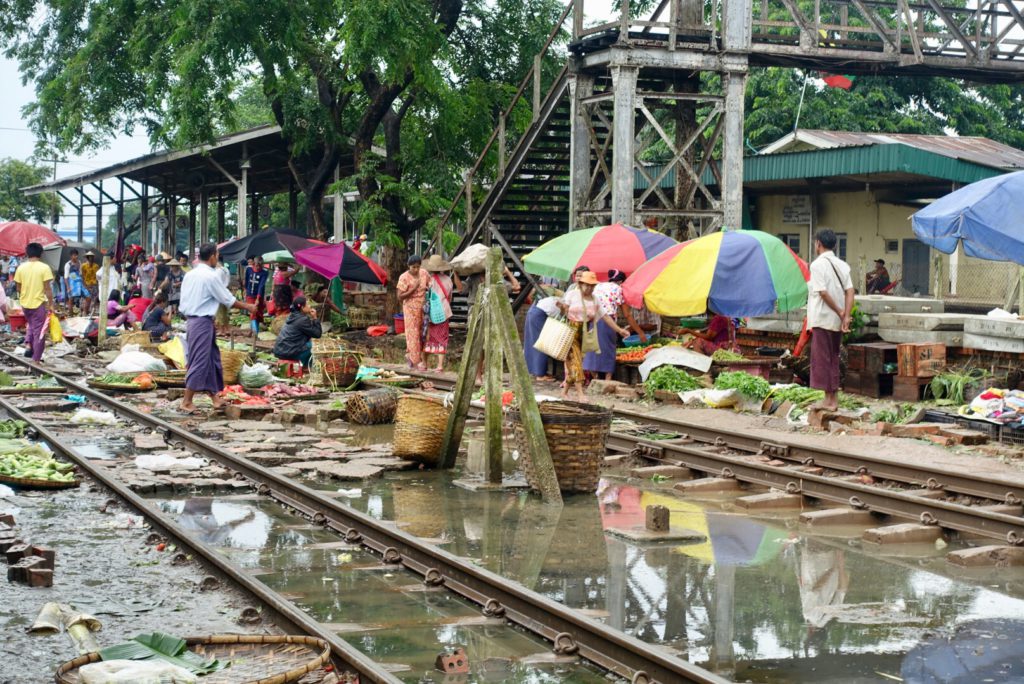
pixel 372 407
pixel 555 339
pixel 420 424
pixel 232 361
pixel 576 434
pixel 254 658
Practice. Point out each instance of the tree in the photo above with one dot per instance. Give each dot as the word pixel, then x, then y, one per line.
pixel 15 205
pixel 393 84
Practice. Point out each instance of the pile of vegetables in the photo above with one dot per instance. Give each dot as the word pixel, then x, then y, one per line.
pixel 11 429
pixel 45 381
pixel 800 396
pixel 726 356
pixel 750 386
pixel 284 390
pixel 634 354
pixel 236 394
pixel 23 459
pixel 670 379
pixel 949 388
pixel 143 380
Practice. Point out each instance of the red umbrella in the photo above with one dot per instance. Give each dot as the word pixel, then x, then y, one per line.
pixel 15 236
pixel 336 261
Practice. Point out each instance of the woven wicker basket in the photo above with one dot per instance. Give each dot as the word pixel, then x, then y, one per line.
pixel 359 317
pixel 372 407
pixel 232 361
pixel 254 659
pixel 139 337
pixel 555 339
pixel 577 435
pixel 420 425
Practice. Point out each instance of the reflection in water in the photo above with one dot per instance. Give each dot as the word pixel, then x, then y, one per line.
pixel 222 524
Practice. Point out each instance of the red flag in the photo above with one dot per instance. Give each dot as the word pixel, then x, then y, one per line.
pixel 838 80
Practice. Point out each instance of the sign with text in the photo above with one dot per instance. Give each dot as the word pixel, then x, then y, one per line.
pixel 797 209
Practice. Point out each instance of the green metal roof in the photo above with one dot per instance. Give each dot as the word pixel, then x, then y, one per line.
pixel 844 161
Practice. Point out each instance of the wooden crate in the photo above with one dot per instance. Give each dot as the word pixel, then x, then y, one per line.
pixel 856 357
pixel 875 385
pixel 921 360
pixel 907 388
pixel 877 355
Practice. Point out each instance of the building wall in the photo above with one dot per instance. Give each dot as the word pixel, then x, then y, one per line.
pixel 870 228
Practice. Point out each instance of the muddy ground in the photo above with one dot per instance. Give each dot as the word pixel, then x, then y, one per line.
pixel 104 567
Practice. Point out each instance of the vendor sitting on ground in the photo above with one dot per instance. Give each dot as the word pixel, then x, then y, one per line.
pixel 118 314
pixel 720 334
pixel 157 321
pixel 294 343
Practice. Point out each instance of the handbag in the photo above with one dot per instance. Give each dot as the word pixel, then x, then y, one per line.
pixel 555 339
pixel 435 301
pixel 590 341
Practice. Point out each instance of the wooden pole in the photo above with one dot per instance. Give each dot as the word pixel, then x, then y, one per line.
pixel 104 290
pixel 464 386
pixel 493 365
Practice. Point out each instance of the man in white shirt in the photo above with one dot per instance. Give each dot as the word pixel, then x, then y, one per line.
pixel 202 291
pixel 829 308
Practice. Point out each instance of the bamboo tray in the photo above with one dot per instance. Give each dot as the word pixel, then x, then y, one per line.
pixel 31 483
pixel 96 384
pixel 254 659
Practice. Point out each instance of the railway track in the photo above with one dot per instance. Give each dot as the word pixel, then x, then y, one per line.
pixel 974 505
pixel 569 632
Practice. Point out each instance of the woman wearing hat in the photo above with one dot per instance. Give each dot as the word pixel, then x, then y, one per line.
pixel 582 309
pixel 611 300
pixel 440 290
pixel 172 284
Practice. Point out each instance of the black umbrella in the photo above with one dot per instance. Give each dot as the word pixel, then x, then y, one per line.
pixel 259 243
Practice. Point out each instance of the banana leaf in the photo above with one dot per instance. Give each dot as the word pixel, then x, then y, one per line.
pixel 165 647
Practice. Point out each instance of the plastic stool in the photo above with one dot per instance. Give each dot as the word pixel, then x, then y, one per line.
pixel 292 368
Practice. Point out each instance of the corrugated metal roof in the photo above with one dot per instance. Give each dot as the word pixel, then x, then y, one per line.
pixel 865 160
pixel 972 149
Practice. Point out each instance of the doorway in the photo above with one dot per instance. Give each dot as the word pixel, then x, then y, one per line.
pixel 916 256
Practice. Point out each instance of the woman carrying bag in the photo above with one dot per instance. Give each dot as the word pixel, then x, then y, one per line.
pixel 583 312
pixel 438 310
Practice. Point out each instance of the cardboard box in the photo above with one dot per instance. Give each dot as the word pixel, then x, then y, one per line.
pixel 921 360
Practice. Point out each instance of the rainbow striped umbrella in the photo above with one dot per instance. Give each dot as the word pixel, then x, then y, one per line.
pixel 603 248
pixel 734 272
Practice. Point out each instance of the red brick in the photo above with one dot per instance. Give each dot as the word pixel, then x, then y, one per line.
pixel 964 436
pixel 40 577
pixel 915 430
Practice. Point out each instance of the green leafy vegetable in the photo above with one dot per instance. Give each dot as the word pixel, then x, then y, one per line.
pixel 896 415
pixel 165 647
pixel 5 379
pixel 670 379
pixel 746 384
pixel 725 355
pixel 949 387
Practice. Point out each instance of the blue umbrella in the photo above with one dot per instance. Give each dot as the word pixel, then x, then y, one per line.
pixel 985 216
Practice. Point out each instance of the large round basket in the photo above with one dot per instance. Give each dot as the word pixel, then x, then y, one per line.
pixel 232 360
pixel 33 483
pixel 372 407
pixel 420 424
pixel 577 435
pixel 255 659
pixel 340 369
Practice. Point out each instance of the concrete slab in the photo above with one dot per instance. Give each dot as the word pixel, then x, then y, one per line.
pixel 994 344
pixel 880 304
pixel 484 486
pixel 669 471
pixel 950 338
pixel 903 533
pixel 837 516
pixel 643 535
pixel 988 556
pixel 995 327
pixel 774 325
pixel 923 321
pixel 707 485
pixel 771 501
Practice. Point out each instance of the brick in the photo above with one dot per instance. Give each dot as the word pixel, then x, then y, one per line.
pixel 837 516
pixel 708 484
pixel 7 519
pixel 988 556
pixel 40 577
pixel 771 501
pixel 235 412
pixel 904 533
pixel 915 429
pixel 964 436
pixel 605 386
pixel 667 396
pixel 670 471
pixel 628 392
pixel 657 518
pixel 18 572
pixel 18 551
pixel 941 440
pixel 49 556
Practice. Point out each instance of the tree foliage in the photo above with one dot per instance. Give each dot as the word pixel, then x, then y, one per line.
pixel 15 205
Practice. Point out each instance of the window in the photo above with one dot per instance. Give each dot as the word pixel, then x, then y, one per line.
pixel 892 246
pixel 792 241
pixel 841 246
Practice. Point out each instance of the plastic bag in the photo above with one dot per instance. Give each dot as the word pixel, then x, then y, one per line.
pixel 84 416
pixel 135 362
pixel 721 398
pixel 168 462
pixel 134 672
pixel 174 350
pixel 473 259
pixel 56 334
pixel 256 375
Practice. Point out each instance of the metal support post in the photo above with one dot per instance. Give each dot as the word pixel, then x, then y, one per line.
pixel 580 86
pixel 624 80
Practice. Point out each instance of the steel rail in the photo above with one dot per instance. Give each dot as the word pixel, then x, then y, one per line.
pixel 971 519
pixel 285 612
pixel 569 631
pixel 981 486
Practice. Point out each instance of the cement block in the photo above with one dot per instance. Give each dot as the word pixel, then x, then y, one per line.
pixel 641 534
pixel 762 324
pixel 995 327
pixel 708 484
pixel 923 321
pixel 771 501
pixel 657 518
pixel 950 338
pixel 903 533
pixel 837 516
pixel 988 556
pixel 1005 509
pixel 880 304
pixel 673 472
pixel 927 493
pixel 995 344
pixel 965 436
